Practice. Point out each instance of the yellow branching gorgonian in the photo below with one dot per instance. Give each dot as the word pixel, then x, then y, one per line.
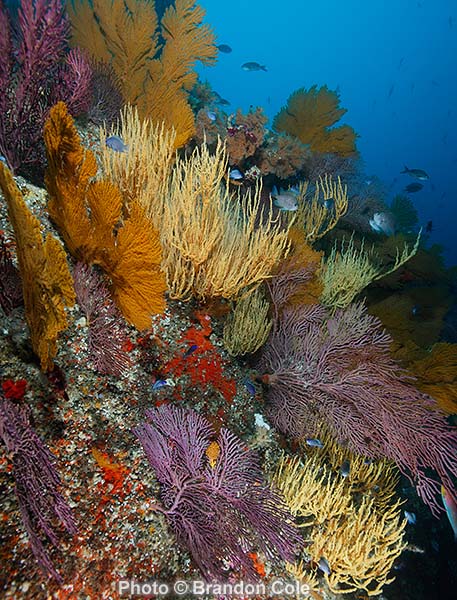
pixel 248 325
pixel 358 538
pixel 348 270
pixel 216 245
pixel 319 213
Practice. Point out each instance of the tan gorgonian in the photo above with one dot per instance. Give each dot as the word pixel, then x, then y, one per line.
pixel 248 325
pixel 216 244
pixel 318 214
pixel 142 172
pixel 348 270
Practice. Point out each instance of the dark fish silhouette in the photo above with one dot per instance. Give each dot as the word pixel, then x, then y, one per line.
pixel 429 227
pixel 225 48
pixel 253 66
pixel 413 187
pixel 417 173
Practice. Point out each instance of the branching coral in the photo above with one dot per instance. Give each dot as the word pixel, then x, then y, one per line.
pixel 37 484
pixel 143 171
pixel 245 134
pixel 297 281
pixel 437 375
pixel 358 540
pixel 89 215
pixel 310 114
pixel 106 333
pixel 46 280
pixel 155 77
pixel 282 155
pixel 348 270
pixel 248 325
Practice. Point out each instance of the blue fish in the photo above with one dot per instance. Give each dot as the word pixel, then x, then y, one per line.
pixel 211 115
pixel 314 442
pixel 190 350
pixel 324 566
pixel 235 174
pixel 115 143
pixel 159 384
pixel 410 517
pixel 345 468
pixel 225 48
pixel 253 66
pixel 250 387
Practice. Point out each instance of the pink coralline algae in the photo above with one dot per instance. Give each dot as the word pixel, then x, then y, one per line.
pixel 336 371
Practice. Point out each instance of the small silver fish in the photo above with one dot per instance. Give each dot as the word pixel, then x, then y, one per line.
pixel 235 174
pixel 329 204
pixel 314 442
pixel 324 566
pixel 382 223
pixel 253 66
pixel 416 173
pixel 115 143
pixel 345 468
pixel 285 199
pixel 410 517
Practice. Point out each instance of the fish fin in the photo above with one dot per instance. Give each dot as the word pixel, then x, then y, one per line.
pixel 405 170
pixel 263 67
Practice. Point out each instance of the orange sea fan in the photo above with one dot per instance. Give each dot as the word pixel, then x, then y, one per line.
pixel 95 226
pixel 310 115
pixel 154 76
pixel 437 375
pixel 46 280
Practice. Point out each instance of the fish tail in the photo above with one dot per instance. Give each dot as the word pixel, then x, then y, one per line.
pixel 405 170
pixel 263 67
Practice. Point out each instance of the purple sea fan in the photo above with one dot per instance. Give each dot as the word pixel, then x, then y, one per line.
pixel 33 76
pixel 336 371
pixel 36 483
pixel 107 332
pixel 219 508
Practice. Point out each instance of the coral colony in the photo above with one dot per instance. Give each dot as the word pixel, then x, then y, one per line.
pixel 200 378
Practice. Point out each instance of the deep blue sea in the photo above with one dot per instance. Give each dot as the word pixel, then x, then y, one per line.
pixel 394 63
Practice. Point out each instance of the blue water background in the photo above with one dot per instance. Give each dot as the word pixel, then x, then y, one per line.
pixel 362 48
